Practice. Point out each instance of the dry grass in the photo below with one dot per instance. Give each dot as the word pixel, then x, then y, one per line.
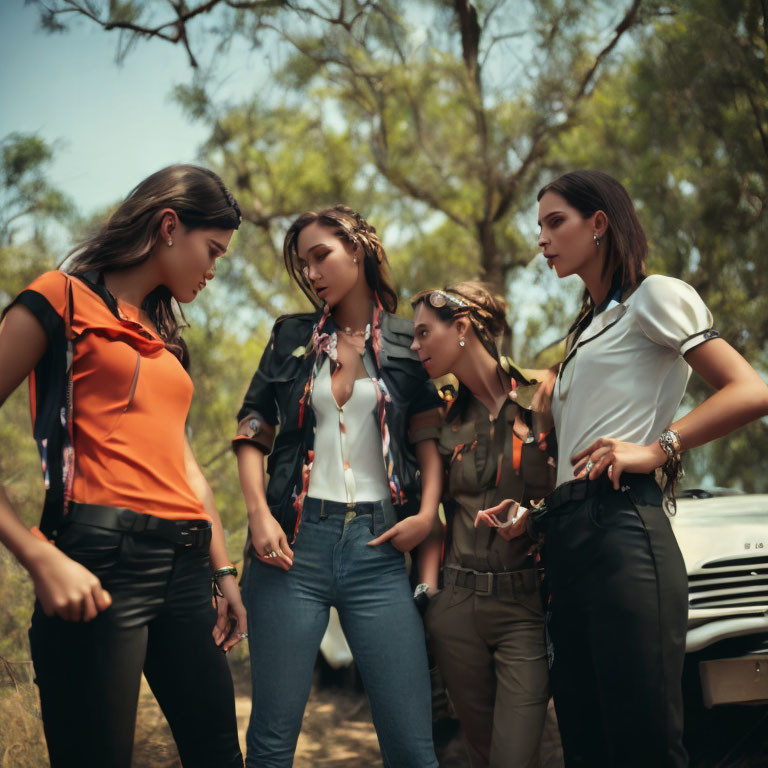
pixel 22 743
pixel 336 733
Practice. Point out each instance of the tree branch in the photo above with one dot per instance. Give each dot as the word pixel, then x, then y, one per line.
pixel 546 132
pixel 469 27
pixel 183 15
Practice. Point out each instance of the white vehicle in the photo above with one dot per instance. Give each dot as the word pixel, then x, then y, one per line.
pixel 723 535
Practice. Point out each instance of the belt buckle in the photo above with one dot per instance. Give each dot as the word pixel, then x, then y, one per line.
pixel 196 535
pixel 487 589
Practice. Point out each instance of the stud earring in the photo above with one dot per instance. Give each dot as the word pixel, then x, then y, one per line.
pixel 170 242
pixel 597 241
pixel 461 342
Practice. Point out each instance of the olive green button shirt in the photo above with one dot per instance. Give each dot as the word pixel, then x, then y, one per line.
pixel 479 454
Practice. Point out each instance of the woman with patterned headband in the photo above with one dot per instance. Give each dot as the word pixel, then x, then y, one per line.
pixel 486 624
pixel 353 406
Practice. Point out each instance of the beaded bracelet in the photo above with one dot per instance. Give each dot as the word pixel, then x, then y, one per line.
pixel 226 570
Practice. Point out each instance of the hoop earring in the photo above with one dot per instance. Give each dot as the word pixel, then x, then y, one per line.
pixel 597 241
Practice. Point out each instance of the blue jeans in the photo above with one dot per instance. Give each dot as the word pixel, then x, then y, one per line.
pixel 287 617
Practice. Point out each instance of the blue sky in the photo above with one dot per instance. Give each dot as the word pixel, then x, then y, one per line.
pixel 113 125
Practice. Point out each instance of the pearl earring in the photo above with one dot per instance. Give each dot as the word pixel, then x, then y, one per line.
pixel 170 242
pixel 461 342
pixel 355 259
pixel 597 241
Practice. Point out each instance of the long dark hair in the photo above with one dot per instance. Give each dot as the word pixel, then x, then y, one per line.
pixel 350 226
pixel 127 238
pixel 626 245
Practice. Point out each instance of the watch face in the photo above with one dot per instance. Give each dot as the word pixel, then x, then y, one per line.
pixel 421 589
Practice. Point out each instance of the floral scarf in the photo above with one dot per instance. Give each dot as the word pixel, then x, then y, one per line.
pixel 324 345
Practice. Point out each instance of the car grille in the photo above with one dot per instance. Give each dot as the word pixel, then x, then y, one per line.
pixel 735 582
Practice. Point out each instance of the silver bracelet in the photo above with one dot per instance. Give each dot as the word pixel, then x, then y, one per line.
pixel 669 440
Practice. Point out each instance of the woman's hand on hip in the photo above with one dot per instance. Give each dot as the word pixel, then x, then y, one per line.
pixel 269 540
pixel 616 457
pixel 232 622
pixel 66 588
pixel 406 534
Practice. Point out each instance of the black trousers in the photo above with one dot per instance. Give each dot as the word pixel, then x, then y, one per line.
pixel 160 622
pixel 617 620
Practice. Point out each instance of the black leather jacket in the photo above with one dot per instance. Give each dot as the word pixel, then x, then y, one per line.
pixel 272 405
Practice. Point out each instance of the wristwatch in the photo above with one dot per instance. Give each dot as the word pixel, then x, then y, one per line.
pixel 421 597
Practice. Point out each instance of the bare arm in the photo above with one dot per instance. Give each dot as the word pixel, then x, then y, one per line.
pixel 410 532
pixel 741 396
pixel 231 607
pixel 63 586
pixel 431 468
pixel 430 552
pixel 265 532
pixel 218 551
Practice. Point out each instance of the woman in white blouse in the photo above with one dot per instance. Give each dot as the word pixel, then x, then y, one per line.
pixel 617 583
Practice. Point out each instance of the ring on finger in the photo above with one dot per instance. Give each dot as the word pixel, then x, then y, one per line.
pixel 589 465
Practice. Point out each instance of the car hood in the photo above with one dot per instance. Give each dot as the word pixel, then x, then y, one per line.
pixel 721 528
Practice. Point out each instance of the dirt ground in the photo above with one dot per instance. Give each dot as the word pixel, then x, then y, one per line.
pixel 336 732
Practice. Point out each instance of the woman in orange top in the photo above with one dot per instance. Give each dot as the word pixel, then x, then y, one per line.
pixel 125 585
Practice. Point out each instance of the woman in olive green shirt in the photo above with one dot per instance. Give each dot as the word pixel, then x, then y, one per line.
pixel 486 625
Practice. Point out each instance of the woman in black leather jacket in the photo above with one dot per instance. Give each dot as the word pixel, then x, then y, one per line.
pixel 356 419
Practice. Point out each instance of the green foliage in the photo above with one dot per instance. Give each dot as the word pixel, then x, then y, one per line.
pixel 684 125
pixel 25 194
pixel 439 127
pixel 222 363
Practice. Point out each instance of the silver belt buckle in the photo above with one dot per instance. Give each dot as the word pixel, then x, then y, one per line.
pixel 487 588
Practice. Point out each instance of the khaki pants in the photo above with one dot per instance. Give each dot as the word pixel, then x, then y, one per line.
pixel 491 653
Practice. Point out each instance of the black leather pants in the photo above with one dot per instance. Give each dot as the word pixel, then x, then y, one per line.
pixel 617 620
pixel 160 623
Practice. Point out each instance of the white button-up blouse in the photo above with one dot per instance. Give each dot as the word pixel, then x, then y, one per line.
pixel 626 375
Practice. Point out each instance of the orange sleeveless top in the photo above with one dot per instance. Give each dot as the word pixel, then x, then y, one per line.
pixel 131 397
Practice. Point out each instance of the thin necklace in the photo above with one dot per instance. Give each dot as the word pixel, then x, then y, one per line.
pixel 366 334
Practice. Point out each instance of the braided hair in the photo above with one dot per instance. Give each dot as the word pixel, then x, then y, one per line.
pixel 474 300
pixel 351 227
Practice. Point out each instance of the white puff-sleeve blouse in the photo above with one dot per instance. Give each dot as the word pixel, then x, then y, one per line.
pixel 626 375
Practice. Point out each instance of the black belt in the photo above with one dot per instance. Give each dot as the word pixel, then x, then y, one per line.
pixel 490 582
pixel 581 489
pixel 350 508
pixel 186 533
